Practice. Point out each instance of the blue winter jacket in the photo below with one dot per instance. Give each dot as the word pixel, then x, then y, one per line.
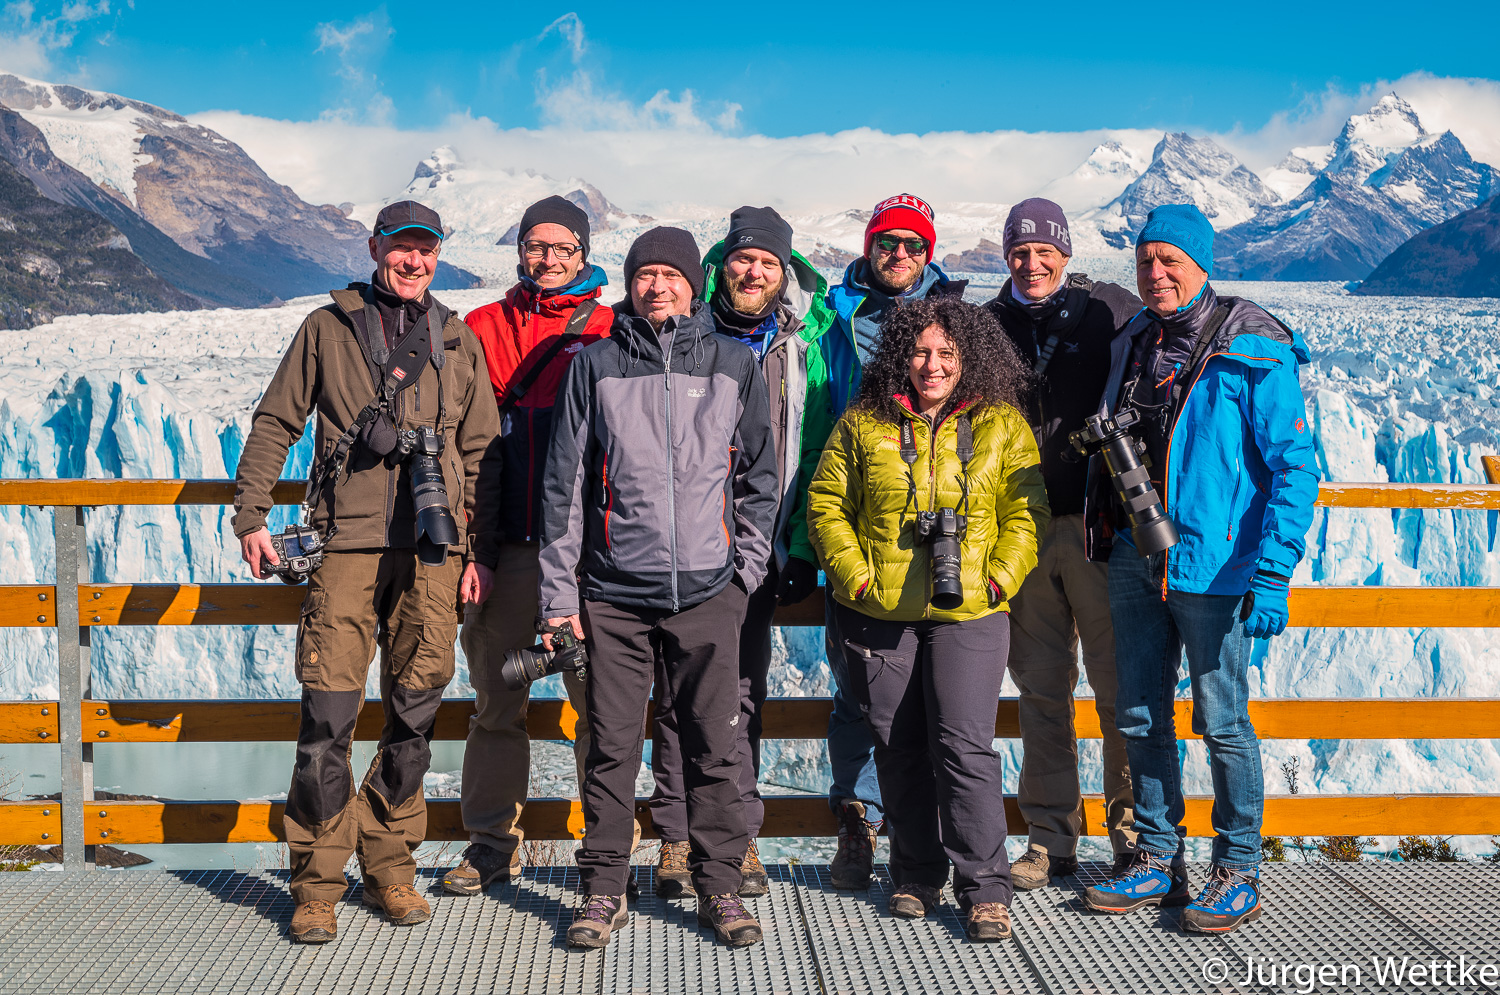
pixel 1241 472
pixel 855 298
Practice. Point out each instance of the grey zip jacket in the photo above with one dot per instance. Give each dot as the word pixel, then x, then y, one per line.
pixel 660 485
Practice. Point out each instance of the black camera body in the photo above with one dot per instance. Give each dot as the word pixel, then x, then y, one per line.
pixel 531 663
pixel 944 531
pixel 420 449
pixel 299 551
pixel 1150 528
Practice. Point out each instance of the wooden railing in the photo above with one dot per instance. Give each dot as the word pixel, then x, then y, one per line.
pixel 78 723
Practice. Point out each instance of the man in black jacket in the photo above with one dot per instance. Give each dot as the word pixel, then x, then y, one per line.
pixel 1063 327
pixel 660 501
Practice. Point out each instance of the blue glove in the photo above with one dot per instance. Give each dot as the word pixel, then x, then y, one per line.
pixel 1264 609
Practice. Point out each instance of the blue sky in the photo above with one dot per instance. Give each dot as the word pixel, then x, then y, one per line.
pixel 894 67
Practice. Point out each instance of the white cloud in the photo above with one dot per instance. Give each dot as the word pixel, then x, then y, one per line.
pixel 1470 108
pixel 357 46
pixel 29 43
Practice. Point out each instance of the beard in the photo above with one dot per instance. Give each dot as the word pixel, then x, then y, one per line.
pixel 899 282
pixel 757 303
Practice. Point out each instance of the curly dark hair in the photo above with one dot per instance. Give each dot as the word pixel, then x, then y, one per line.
pixel 991 370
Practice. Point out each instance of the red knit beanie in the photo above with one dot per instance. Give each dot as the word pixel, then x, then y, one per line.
pixel 902 211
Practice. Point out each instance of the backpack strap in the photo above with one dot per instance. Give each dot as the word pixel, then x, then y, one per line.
pixel 1061 325
pixel 571 332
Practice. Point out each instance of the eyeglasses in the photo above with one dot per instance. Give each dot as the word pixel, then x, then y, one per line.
pixel 914 246
pixel 563 250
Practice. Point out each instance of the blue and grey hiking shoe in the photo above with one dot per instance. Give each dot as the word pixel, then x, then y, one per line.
pixel 1146 880
pixel 1230 897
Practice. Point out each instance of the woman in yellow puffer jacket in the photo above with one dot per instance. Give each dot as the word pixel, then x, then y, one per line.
pixel 936 427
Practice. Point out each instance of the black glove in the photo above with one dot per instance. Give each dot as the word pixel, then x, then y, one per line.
pixel 798 580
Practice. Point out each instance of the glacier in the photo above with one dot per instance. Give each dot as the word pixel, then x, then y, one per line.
pixel 1399 389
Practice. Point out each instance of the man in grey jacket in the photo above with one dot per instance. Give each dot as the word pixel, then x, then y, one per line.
pixel 660 500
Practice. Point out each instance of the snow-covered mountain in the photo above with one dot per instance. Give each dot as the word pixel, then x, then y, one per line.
pixel 1399 389
pixel 199 188
pixel 1184 170
pixel 1382 180
pixel 1458 258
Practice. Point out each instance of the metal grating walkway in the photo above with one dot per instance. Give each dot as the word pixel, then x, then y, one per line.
pixel 224 932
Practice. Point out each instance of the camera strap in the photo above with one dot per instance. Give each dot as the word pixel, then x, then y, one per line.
pixel 909 455
pixel 1060 325
pixel 571 332
pixel 1200 351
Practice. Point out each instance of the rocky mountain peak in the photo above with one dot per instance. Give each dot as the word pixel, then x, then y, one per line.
pixel 1391 123
pixel 436 168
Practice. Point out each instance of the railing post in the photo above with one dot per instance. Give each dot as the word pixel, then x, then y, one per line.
pixel 73 685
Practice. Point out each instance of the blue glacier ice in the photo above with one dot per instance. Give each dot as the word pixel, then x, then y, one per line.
pixel 1398 390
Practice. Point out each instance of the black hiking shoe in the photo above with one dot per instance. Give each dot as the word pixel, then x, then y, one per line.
pixel 731 922
pixel 596 919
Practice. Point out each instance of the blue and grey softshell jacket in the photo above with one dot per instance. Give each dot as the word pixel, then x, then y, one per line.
pixel 660 484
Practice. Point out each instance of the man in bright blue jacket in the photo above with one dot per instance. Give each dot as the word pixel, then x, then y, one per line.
pixel 1215 383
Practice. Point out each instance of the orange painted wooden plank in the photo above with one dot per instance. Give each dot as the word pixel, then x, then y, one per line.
pixel 28 605
pixel 28 722
pixel 125 823
pixel 1417 607
pixel 190 604
pixel 1471 496
pixel 253 720
pixel 37 823
pixel 90 492
pixel 1492 468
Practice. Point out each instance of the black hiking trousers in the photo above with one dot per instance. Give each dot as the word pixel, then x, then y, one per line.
pixel 693 655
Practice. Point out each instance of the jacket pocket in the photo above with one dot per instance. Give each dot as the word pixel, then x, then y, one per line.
pixel 309 629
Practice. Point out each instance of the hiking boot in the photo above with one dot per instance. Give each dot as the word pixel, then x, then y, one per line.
pixel 854 863
pixel 753 881
pixel 313 922
pixel 988 922
pixel 673 879
pixel 1122 861
pixel 482 866
pixel 731 921
pixel 1146 880
pixel 1230 897
pixel 1036 867
pixel 599 916
pixel 913 901
pixel 400 903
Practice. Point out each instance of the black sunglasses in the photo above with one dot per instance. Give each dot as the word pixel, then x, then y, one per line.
pixel 914 246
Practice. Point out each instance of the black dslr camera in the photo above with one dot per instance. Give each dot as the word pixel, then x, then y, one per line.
pixel 420 448
pixel 944 531
pixel 1150 528
pixel 299 551
pixel 523 666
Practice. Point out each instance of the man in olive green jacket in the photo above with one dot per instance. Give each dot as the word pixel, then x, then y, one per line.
pixel 386 577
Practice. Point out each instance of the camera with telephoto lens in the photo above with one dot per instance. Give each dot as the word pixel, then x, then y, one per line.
pixel 299 551
pixel 523 666
pixel 944 531
pixel 420 448
pixel 1150 528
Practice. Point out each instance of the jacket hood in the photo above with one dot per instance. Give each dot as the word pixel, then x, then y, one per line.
pixel 1250 334
pixel 639 340
pixel 932 276
pixel 526 296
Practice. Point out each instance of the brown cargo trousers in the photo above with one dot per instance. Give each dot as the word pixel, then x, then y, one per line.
pixel 497 754
pixel 1064 602
pixel 356 602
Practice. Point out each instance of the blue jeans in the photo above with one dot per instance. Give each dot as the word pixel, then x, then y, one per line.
pixel 1151 636
pixel 851 747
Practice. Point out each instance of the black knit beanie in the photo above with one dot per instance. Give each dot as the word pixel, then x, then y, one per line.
pixel 674 247
pixel 759 228
pixel 558 211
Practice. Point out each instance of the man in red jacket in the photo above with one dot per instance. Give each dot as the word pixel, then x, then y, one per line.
pixel 556 299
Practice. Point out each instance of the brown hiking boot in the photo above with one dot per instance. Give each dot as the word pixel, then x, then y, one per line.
pixel 596 919
pixel 482 866
pixel 753 880
pixel 988 921
pixel 913 901
pixel 729 919
pixel 1036 867
pixel 313 922
pixel 854 863
pixel 400 903
pixel 673 879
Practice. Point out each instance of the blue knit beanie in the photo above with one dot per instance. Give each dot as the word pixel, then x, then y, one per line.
pixel 1184 226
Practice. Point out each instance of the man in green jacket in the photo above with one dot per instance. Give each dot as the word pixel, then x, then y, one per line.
pixel 768 297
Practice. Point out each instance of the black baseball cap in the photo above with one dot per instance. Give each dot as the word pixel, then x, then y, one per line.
pixel 406 214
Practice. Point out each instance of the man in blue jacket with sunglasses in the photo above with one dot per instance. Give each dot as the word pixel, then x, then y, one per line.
pixel 1215 383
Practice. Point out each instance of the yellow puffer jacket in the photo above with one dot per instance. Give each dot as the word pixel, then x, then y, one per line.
pixel 864 529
